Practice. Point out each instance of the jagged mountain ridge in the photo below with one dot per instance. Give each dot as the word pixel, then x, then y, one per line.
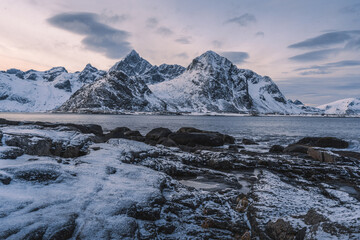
pixel 114 92
pixel 347 106
pixel 39 91
pixel 212 83
pixel 134 65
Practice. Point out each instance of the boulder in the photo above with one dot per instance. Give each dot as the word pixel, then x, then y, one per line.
pixel 117 132
pixel 5 178
pixel 276 149
pixel 158 133
pixel 226 138
pixel 295 148
pixel 10 152
pixel 193 139
pixel 37 175
pixel 312 217
pixel 323 155
pixel 331 142
pixel 167 142
pixel 280 230
pixel 32 145
pixel 134 135
pixel 1 136
pixel 249 142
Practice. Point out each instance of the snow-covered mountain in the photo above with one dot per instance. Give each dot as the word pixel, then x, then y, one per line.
pixel 134 65
pixel 36 91
pixel 211 83
pixel 348 106
pixel 114 92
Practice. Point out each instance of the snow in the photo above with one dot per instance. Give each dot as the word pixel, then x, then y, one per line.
pixel 277 199
pixel 343 106
pixel 86 192
pixel 37 91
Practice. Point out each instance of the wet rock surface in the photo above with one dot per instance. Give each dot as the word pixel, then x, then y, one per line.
pixel 82 183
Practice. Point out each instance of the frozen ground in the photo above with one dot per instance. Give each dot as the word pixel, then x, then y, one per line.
pixel 123 189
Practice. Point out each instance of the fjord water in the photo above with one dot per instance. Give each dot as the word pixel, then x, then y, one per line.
pixel 267 130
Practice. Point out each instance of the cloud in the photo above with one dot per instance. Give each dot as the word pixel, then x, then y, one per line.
pixel 260 34
pixel 315 72
pixel 164 31
pixel 152 22
pixel 99 37
pixel 109 17
pixel 328 67
pixel 315 55
pixel 183 40
pixel 327 39
pixel 243 20
pixel 236 57
pixel 182 55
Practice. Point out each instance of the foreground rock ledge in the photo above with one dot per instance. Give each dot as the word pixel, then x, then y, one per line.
pixel 117 185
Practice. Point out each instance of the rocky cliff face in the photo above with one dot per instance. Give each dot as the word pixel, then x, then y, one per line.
pixel 115 92
pixel 134 65
pixel 211 83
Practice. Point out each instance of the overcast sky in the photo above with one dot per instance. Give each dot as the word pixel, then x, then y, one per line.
pixel 310 48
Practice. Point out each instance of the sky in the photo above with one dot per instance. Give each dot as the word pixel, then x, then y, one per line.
pixel 310 48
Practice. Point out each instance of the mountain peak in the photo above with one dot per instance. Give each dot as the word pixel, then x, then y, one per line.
pixel 89 68
pixel 209 59
pixel 132 64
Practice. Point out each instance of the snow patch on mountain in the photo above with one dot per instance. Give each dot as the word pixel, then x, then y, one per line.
pixel 36 91
pixel 211 83
pixel 348 106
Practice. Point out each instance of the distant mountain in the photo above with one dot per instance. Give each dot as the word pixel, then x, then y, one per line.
pixel 37 91
pixel 348 106
pixel 211 83
pixel 134 65
pixel 114 92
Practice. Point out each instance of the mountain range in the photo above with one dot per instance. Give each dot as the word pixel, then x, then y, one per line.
pixel 211 83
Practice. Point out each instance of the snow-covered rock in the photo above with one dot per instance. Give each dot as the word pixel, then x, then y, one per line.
pixel 211 83
pixel 348 106
pixel 134 65
pixel 115 92
pixel 36 91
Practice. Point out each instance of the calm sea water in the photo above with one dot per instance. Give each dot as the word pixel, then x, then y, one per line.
pixel 267 130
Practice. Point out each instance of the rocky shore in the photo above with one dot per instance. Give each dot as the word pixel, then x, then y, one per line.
pixel 69 181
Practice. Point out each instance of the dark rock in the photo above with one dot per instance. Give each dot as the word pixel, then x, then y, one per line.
pixel 37 175
pixel 249 142
pixel 312 217
pixel 5 178
pixel 276 149
pixel 66 231
pixel 30 144
pixel 193 138
pixel 294 148
pixel 1 136
pixel 158 133
pixel 110 170
pixel 226 138
pixel 7 122
pixel 11 153
pixel 167 142
pixel 323 156
pixel 301 234
pixel 144 212
pixel 118 132
pixel 31 76
pixel 280 230
pixel 331 142
pixel 65 85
